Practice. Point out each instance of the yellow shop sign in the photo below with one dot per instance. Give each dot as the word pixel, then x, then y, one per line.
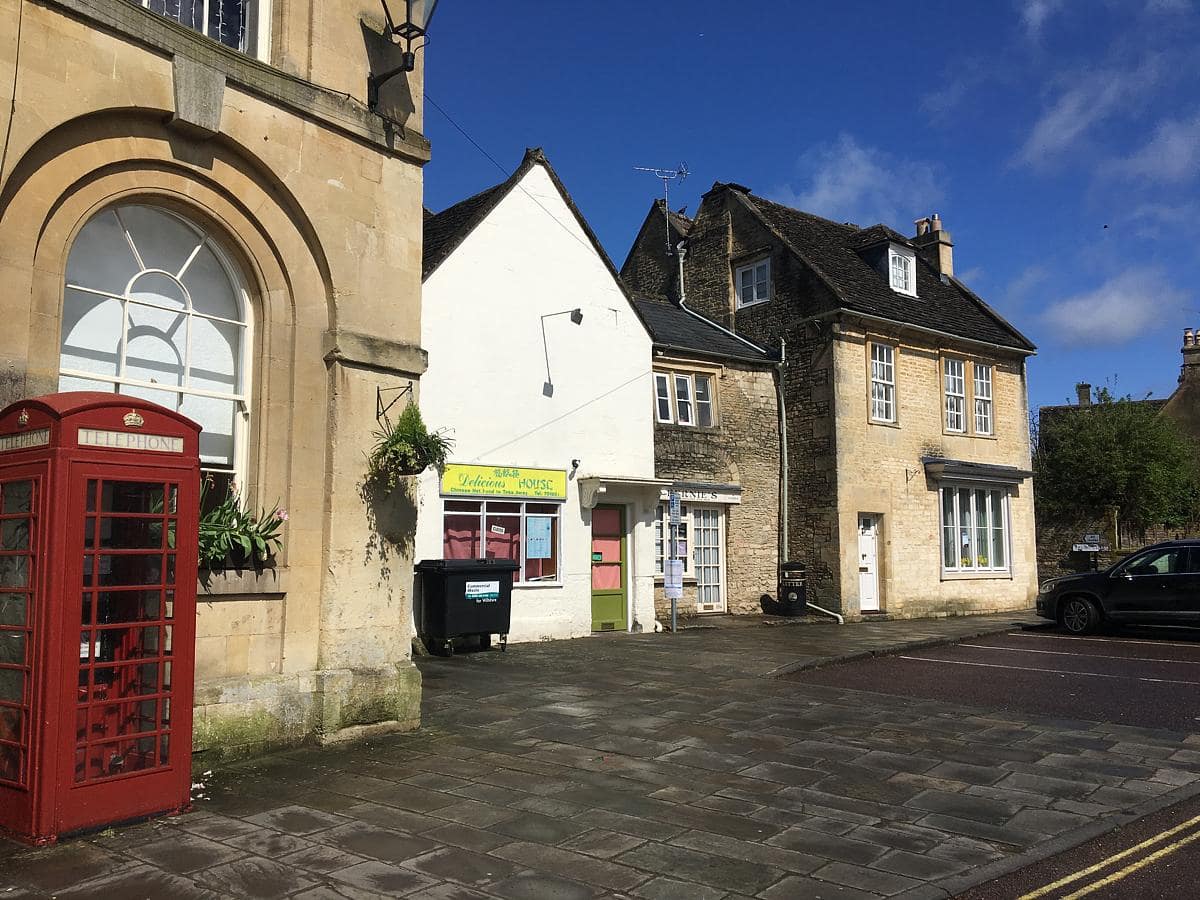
pixel 459 480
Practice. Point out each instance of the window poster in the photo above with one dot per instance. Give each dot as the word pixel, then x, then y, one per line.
pixel 537 537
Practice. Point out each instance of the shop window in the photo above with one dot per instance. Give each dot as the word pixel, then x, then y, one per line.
pixel 974 529
pixel 154 309
pixel 685 398
pixel 240 24
pixel 525 532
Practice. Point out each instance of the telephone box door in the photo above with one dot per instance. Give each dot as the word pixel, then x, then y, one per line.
pixel 127 692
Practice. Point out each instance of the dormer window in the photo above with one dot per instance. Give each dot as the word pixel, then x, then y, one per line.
pixel 753 283
pixel 902 270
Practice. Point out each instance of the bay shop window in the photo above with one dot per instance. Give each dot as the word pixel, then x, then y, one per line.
pixel 975 529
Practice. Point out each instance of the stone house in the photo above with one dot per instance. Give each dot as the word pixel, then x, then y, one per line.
pixel 906 400
pixel 537 362
pixel 716 438
pixel 191 215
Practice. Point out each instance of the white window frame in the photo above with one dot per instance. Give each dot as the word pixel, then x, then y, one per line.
pixel 954 529
pixel 670 381
pixel 908 260
pixel 524 515
pixel 985 423
pixel 662 391
pixel 262 31
pixel 755 281
pixel 241 397
pixel 954 395
pixel 662 538
pixel 882 398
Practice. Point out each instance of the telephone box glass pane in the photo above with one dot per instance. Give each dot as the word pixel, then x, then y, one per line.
pixel 12 686
pixel 12 648
pixel 131 569
pixel 10 724
pixel 10 763
pixel 13 609
pixel 127 606
pixel 14 571
pixel 14 534
pixel 17 497
pixel 132 497
pixel 130 534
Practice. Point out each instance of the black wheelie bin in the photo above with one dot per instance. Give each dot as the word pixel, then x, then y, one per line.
pixel 463 598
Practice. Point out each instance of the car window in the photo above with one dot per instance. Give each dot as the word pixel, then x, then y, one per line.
pixel 1160 562
pixel 1193 560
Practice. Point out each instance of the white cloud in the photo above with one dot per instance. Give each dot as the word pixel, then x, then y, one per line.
pixel 1091 97
pixel 1171 156
pixel 972 277
pixel 847 181
pixel 1022 286
pixel 1119 311
pixel 1034 14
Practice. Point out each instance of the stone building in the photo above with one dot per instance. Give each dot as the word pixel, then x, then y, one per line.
pixel 906 401
pixel 540 370
pixel 716 438
pixel 192 216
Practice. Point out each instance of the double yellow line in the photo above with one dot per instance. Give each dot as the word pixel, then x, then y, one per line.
pixel 1116 876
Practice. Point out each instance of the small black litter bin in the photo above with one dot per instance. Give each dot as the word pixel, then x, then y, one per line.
pixel 465 597
pixel 793 592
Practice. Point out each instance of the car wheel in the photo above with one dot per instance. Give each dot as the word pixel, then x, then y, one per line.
pixel 1078 615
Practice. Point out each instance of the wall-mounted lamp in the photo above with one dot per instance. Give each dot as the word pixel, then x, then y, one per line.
pixel 576 315
pixel 574 466
pixel 417 14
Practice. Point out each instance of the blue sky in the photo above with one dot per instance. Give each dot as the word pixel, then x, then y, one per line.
pixel 1058 139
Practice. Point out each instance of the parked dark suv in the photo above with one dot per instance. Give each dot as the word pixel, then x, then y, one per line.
pixel 1159 585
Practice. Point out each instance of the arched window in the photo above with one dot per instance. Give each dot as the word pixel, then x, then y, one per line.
pixel 154 309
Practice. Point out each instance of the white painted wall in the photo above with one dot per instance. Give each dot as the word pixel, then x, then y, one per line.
pixel 481 324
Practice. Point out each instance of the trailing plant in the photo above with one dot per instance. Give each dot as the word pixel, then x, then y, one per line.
pixel 230 527
pixel 406 448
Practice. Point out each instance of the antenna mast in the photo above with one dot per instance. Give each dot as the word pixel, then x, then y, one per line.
pixel 666 176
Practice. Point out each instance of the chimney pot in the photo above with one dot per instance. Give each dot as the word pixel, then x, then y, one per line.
pixel 935 222
pixel 1189 339
pixel 922 226
pixel 1083 392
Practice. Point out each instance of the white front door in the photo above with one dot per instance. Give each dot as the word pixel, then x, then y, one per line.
pixel 868 563
pixel 707 550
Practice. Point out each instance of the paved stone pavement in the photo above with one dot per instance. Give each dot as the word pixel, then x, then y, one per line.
pixel 650 766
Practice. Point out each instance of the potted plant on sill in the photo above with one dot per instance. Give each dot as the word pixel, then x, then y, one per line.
pixel 234 537
pixel 405 449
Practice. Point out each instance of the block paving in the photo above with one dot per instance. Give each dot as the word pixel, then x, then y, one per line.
pixel 652 767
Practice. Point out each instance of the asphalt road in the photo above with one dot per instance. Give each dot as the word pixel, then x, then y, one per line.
pixel 1143 677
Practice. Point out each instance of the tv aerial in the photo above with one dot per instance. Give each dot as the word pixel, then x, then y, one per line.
pixel 666 176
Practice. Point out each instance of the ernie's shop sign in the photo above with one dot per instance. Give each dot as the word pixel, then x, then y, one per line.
pixel 461 480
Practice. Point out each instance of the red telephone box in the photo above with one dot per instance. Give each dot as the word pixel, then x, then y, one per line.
pixel 99 509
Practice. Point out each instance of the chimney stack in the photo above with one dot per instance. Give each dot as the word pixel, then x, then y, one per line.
pixel 1083 391
pixel 935 245
pixel 1191 355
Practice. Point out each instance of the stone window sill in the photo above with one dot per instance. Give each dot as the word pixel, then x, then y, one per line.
pixel 237 583
pixel 977 576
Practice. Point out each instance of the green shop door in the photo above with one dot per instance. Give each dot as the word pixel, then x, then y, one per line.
pixel 609 599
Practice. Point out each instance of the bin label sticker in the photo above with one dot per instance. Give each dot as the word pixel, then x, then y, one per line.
pixel 483 591
pixel 24 440
pixel 130 440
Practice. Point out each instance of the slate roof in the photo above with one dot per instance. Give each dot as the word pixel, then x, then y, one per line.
pixel 682 330
pixel 444 231
pixel 832 250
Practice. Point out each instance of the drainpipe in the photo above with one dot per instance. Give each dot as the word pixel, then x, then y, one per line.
pixel 784 550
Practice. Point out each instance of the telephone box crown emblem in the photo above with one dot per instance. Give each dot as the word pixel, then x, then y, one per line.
pixel 23 418
pixel 133 419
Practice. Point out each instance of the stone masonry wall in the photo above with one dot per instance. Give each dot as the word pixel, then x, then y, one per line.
pixel 725 234
pixel 742 449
